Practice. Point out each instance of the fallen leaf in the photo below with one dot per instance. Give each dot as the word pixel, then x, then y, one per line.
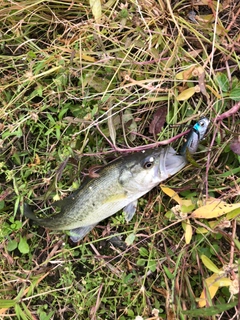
pixel 235 145
pixel 96 7
pixel 159 118
pixel 211 288
pixel 188 93
pixel 188 231
pixel 171 193
pixel 213 283
pixel 186 74
pixel 209 264
pixel 214 208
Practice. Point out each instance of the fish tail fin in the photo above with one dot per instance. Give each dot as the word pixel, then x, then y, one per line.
pixel 28 213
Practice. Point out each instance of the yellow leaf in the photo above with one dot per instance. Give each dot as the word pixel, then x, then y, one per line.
pixel 87 58
pixel 186 74
pixel 188 93
pixel 223 282
pixel 214 208
pixel 209 264
pixel 212 225
pixel 205 18
pixel 213 283
pixel 3 310
pixel 211 288
pixel 217 95
pixel 96 7
pixel 171 193
pixel 36 161
pixel 188 231
pixel 201 230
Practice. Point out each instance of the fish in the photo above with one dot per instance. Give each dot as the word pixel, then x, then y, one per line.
pixel 196 134
pixel 118 185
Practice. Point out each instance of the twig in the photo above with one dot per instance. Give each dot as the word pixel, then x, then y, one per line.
pixel 141 148
pixel 228 113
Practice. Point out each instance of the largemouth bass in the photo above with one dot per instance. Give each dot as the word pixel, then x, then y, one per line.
pixel 118 186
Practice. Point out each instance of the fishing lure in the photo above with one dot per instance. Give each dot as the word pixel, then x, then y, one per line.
pixel 195 136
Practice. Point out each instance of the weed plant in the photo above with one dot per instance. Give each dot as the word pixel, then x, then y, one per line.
pixel 74 73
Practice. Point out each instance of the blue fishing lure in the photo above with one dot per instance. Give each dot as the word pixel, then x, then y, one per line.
pixel 195 136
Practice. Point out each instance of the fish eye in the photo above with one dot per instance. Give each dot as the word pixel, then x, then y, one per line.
pixel 148 163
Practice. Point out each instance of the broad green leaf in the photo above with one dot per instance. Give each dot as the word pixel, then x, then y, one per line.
pixel 223 81
pixel 209 264
pixel 12 245
pixel 235 94
pixel 168 273
pixel 143 252
pixel 210 311
pixel 187 208
pixel 233 214
pixel 130 239
pixel 141 262
pixel 152 265
pixel 23 246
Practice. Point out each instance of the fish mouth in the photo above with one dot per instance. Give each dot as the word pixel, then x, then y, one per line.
pixel 171 163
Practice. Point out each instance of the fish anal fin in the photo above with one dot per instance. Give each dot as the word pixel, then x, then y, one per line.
pixel 79 233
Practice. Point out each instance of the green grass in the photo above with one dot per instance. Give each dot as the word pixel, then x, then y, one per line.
pixel 68 82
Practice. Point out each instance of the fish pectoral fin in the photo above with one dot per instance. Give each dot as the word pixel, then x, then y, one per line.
pixel 79 233
pixel 130 210
pixel 116 197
